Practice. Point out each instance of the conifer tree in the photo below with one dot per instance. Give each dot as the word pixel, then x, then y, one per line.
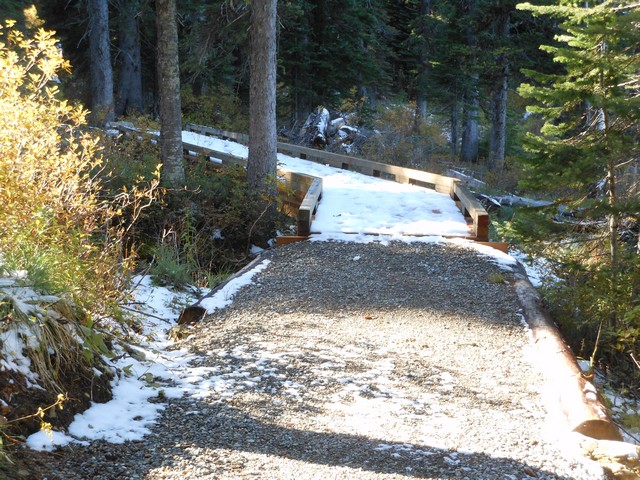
pixel 591 109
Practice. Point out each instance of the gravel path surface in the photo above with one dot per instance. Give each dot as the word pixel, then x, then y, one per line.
pixel 353 361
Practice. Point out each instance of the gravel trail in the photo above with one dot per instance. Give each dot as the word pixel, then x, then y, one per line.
pixel 353 361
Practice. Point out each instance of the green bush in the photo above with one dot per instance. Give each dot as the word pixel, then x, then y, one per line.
pixel 220 108
pixel 400 142
pixel 598 310
pixel 191 235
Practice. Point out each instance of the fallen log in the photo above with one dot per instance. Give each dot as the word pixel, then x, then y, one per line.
pixel 578 398
pixel 315 128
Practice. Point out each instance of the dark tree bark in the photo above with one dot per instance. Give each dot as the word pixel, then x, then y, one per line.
pixel 471 100
pixel 169 92
pixel 129 93
pixel 100 63
pixel 499 96
pixel 455 139
pixel 261 165
pixel 421 96
pixel 470 141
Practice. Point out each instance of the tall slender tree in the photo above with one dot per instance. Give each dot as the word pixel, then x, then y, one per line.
pixel 102 103
pixel 471 97
pixel 499 94
pixel 261 165
pixel 591 110
pixel 129 92
pixel 169 91
pixel 423 63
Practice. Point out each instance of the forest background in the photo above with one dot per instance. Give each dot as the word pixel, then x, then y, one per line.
pixel 538 104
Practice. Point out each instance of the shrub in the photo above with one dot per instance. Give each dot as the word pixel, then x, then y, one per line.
pixel 598 308
pixel 56 225
pixel 191 235
pixel 62 241
pixel 220 108
pixel 399 142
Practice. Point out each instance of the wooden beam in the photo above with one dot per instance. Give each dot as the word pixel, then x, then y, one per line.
pixel 502 246
pixel 290 239
pixel 224 134
pixel 308 207
pixel 473 208
pixel 226 158
pixel 581 405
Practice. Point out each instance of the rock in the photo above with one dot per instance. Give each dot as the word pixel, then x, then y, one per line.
pixel 620 459
pixel 191 315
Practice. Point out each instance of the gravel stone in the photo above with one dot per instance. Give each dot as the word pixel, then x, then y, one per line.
pixel 354 361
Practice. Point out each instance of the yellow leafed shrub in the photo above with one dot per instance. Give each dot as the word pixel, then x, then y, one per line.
pixel 56 224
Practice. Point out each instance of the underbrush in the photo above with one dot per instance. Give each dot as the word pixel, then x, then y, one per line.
pixel 220 107
pixel 399 141
pixel 197 235
pixel 63 263
pixel 596 306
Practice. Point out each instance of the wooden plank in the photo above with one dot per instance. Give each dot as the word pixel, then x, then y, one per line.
pixel 474 209
pixel 290 239
pixel 227 158
pixel 224 134
pixel 299 182
pixel 502 246
pixel 368 167
pixel 308 207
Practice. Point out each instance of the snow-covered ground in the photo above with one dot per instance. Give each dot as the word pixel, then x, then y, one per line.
pixel 155 371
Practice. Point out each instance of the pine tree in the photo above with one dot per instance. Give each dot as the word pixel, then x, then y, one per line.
pixel 331 50
pixel 591 109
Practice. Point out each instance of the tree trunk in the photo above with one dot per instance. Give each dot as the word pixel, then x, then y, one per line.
pixel 302 104
pixel 100 63
pixel 129 98
pixel 614 216
pixel 454 129
pixel 470 141
pixel 498 139
pixel 169 92
pixel 421 96
pixel 261 164
pixel 421 110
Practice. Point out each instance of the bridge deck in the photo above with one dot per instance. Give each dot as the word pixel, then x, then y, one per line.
pixel 353 203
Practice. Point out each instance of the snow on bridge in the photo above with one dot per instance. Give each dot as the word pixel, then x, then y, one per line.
pixel 356 204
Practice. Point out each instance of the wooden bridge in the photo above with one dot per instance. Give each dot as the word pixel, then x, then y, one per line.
pixel 308 189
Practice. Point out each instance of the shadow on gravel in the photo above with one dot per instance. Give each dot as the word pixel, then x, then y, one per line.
pixel 214 443
pixel 326 277
pixel 230 429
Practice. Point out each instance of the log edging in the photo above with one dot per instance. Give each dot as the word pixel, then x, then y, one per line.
pixel 577 397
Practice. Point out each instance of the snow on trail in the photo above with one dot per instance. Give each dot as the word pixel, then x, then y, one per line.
pixel 358 204
pixel 354 208
pixel 157 369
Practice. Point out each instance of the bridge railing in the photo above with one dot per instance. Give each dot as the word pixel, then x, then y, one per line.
pixel 470 207
pixel 302 191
